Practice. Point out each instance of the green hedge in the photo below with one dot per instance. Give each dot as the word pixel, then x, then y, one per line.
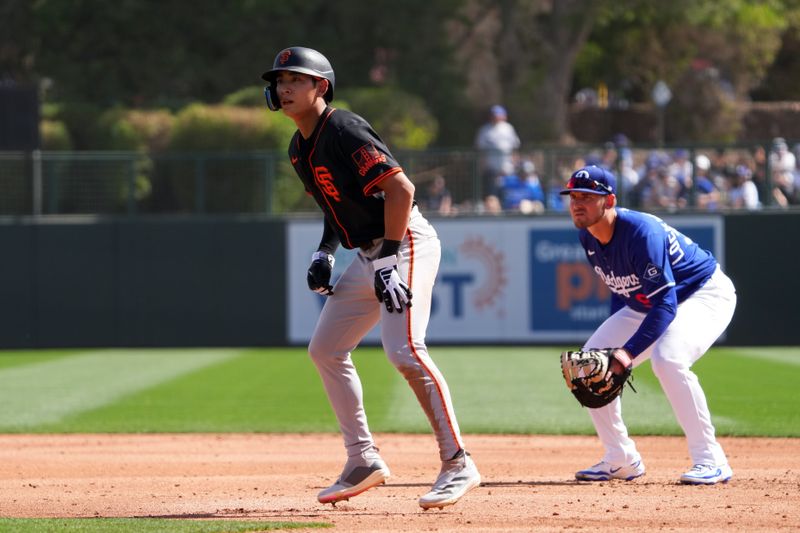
pixel 401 119
pixel 241 123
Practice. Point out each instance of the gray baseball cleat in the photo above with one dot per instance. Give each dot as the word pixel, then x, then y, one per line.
pixel 458 476
pixel 361 472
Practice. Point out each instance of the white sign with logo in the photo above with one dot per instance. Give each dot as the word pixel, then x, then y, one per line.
pixel 480 291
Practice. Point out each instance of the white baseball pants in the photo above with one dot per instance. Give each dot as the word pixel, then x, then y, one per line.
pixel 699 321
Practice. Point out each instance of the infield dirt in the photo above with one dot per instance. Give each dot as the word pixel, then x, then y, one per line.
pixel 528 483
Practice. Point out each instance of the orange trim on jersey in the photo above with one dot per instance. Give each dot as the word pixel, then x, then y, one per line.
pixel 325 196
pixel 414 350
pixel 371 185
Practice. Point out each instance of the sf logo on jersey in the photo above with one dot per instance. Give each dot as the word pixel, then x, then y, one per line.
pixel 325 183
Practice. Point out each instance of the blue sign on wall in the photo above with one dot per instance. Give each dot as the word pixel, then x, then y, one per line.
pixel 567 298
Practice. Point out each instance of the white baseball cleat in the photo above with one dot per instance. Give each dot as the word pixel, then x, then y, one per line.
pixel 458 476
pixel 361 472
pixel 707 475
pixel 604 471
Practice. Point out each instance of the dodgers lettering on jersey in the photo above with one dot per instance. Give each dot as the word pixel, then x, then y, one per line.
pixel 647 257
pixel 341 165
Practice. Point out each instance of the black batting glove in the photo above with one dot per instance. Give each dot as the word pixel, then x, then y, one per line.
pixel 319 273
pixel 389 287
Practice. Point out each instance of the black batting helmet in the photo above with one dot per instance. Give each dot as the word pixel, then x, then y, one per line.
pixel 298 59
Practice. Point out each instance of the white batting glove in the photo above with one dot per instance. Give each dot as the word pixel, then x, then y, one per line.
pixel 389 287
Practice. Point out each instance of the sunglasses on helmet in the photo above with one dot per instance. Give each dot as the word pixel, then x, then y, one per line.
pixel 579 182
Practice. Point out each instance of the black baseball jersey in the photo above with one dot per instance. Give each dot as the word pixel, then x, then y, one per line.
pixel 341 165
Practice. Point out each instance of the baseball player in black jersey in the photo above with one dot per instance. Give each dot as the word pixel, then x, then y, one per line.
pixel 368 204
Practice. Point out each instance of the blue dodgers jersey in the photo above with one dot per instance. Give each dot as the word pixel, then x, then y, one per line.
pixel 645 258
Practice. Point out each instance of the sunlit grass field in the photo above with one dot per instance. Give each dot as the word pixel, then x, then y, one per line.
pixel 751 391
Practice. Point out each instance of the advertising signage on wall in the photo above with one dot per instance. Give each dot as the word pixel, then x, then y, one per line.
pixel 568 300
pixel 506 280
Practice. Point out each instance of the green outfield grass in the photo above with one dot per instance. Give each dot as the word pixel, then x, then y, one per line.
pixel 751 392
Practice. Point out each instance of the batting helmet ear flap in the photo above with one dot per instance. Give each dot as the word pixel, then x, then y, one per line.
pixel 271 95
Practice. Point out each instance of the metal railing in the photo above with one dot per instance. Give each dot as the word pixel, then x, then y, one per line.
pixel 131 183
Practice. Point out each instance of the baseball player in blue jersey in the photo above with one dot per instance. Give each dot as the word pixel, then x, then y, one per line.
pixel 670 301
pixel 368 205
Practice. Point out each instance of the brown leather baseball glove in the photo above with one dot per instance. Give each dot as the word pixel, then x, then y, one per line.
pixel 596 376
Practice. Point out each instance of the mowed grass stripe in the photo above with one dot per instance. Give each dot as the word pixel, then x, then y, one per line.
pixel 265 390
pixel 521 390
pixel 48 391
pixel 495 390
pixel 510 390
pixel 11 358
pixel 784 355
pixel 753 390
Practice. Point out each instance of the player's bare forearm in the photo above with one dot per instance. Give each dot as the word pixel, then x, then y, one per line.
pixel 398 197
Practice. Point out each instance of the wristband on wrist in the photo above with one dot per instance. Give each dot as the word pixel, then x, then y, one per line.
pixel 323 255
pixel 389 247
pixel 384 262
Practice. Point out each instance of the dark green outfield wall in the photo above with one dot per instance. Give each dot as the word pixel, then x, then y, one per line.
pixel 763 259
pixel 142 282
pixel 219 281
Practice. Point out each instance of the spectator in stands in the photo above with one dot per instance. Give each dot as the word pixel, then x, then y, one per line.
pixel 521 191
pixel 553 198
pixel 681 167
pixel 783 189
pixel 720 172
pixel 661 190
pixel 759 157
pixel 742 193
pixel 438 198
pixel 497 142
pixel 648 173
pixel 626 171
pixel 796 152
pixel 706 194
pixel 720 166
pixel 784 167
pixel 491 205
pixel 781 158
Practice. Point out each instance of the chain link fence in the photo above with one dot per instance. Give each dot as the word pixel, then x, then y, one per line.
pixel 449 182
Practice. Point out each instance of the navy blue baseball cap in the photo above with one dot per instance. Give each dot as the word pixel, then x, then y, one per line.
pixel 498 111
pixel 591 179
